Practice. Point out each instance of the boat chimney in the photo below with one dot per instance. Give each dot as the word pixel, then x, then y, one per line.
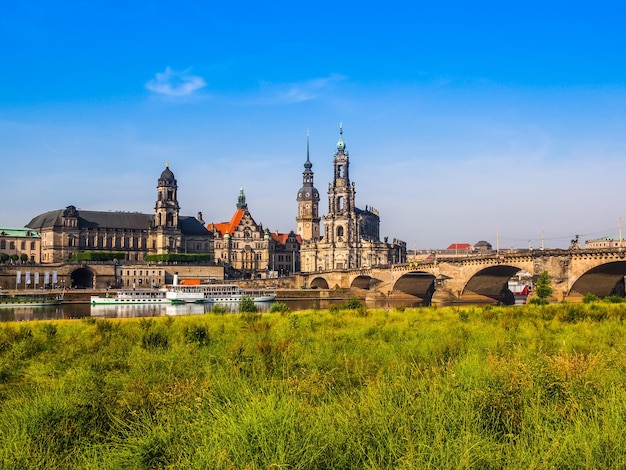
pixel 175 279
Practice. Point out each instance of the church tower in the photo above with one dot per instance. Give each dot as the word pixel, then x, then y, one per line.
pixel 168 235
pixel 340 223
pixel 308 220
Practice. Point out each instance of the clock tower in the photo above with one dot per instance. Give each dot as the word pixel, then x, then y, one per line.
pixel 308 219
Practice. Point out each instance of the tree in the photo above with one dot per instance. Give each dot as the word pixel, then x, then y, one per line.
pixel 23 257
pixel 543 288
pixel 247 305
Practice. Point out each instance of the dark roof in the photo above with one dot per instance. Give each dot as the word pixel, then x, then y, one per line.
pixel 192 226
pixel 114 220
pixel 47 219
pixel 121 220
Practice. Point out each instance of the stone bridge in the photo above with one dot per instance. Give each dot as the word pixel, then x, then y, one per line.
pixel 573 273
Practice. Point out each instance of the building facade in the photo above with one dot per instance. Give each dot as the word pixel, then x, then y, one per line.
pixel 69 231
pixel 249 251
pixel 605 242
pixel 350 235
pixel 19 244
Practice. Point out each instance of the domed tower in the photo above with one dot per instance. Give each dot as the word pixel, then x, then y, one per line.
pixel 308 220
pixel 166 211
pixel 166 208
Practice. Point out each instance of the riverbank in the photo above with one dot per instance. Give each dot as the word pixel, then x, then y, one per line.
pixel 494 387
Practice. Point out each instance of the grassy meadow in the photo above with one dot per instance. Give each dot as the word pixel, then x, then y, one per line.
pixel 528 387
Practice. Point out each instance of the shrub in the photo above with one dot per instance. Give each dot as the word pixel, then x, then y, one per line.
pixel 154 340
pixel 352 304
pixel 247 305
pixel 146 323
pixel 589 297
pixel 97 256
pixel 49 329
pixel 219 309
pixel 197 334
pixel 279 307
pixel 178 258
pixel 571 313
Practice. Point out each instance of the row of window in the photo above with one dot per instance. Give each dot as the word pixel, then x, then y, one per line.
pixel 3 245
pixel 154 273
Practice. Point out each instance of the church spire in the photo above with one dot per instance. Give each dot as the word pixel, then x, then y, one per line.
pixel 241 200
pixel 307 165
pixel 341 145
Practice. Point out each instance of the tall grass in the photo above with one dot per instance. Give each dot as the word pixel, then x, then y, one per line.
pixel 494 387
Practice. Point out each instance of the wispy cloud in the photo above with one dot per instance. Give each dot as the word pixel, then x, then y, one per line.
pixel 175 84
pixel 303 91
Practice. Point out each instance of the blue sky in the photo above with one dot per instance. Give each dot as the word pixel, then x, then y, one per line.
pixel 463 121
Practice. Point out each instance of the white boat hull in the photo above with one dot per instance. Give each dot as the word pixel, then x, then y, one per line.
pixel 211 293
pixel 132 297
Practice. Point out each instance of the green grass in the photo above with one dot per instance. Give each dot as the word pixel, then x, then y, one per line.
pixel 494 387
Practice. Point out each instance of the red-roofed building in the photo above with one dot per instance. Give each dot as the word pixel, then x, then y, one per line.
pixel 460 247
pixel 248 251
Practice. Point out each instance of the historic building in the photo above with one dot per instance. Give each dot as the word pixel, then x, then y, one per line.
pixel 247 250
pixel 68 231
pixel 350 235
pixel 21 244
pixel 604 242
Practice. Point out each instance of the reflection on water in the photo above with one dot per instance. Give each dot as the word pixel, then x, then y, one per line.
pixel 71 311
pixel 158 310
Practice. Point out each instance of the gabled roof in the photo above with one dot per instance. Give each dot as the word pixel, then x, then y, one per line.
pixel 459 247
pixel 228 227
pixel 282 238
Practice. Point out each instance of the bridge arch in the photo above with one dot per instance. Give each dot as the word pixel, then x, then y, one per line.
pixel 364 281
pixel 319 283
pixel 603 280
pixel 417 283
pixel 492 282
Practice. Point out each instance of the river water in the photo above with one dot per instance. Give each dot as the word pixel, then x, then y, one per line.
pixel 81 310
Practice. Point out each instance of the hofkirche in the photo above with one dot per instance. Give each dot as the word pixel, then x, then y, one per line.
pixel 346 237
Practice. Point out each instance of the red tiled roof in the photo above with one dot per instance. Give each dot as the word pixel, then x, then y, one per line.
pixel 282 238
pixel 228 227
pixel 459 246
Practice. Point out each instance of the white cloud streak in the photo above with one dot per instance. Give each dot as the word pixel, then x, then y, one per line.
pixel 307 90
pixel 175 84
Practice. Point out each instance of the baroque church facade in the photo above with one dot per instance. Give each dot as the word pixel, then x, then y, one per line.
pixel 346 237
pixel 68 231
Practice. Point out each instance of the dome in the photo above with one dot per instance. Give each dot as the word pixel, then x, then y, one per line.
pixel 167 177
pixel 308 193
pixel 341 145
